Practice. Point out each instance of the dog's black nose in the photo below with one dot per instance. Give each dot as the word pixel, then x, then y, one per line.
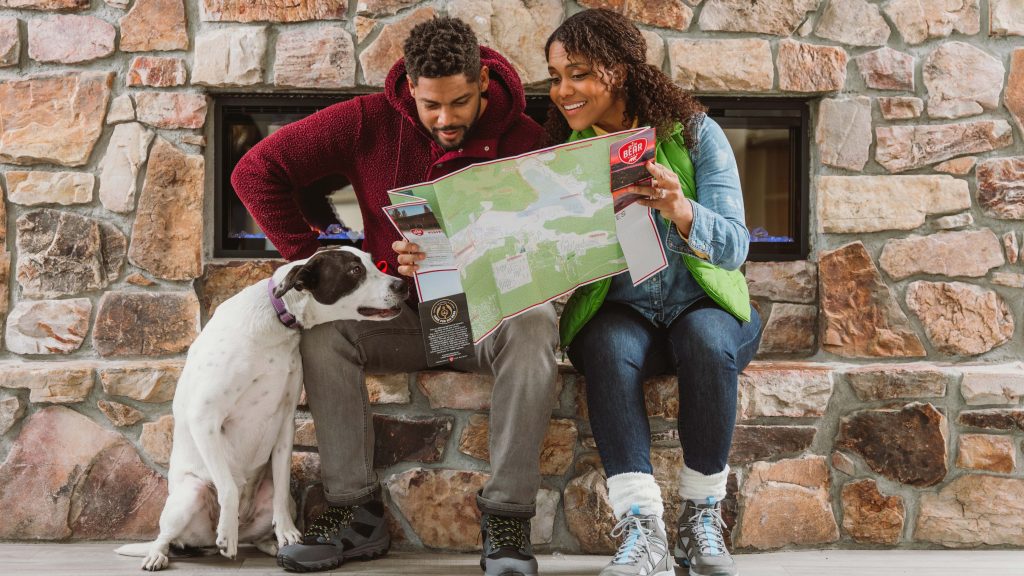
pixel 400 288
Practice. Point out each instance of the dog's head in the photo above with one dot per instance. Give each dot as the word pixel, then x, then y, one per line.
pixel 343 284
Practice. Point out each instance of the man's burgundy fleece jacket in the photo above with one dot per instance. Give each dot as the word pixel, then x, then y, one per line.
pixel 377 143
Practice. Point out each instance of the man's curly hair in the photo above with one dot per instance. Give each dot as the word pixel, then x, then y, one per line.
pixel 605 40
pixel 442 47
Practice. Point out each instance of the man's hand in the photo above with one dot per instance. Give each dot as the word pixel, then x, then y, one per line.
pixel 408 256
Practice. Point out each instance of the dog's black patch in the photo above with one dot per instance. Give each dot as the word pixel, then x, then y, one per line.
pixel 344 269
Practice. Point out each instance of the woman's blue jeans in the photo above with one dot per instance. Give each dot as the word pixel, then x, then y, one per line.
pixel 705 347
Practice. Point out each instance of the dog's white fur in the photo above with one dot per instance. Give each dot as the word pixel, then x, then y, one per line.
pixel 233 416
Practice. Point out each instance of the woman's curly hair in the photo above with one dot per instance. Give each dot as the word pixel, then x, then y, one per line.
pixel 606 40
pixel 442 47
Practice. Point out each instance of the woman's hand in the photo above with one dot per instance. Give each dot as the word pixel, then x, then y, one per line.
pixel 408 256
pixel 665 194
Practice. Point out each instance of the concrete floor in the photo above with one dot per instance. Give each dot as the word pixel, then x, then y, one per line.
pixel 98 558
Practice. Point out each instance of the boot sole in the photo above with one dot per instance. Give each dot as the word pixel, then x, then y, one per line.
pixel 683 563
pixel 366 553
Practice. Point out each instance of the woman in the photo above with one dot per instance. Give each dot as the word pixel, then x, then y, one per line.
pixel 693 320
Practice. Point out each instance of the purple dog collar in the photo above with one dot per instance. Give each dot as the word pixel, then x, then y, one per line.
pixel 286 317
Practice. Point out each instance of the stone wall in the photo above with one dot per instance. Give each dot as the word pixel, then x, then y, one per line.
pixel 885 407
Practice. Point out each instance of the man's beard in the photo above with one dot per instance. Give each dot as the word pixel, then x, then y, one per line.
pixel 435 132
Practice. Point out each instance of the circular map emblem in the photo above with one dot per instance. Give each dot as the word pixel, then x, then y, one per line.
pixel 444 311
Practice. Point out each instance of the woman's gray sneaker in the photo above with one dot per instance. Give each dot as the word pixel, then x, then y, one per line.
pixel 644 548
pixel 341 533
pixel 506 546
pixel 700 542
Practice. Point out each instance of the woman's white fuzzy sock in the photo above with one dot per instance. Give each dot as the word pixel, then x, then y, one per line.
pixel 635 488
pixel 699 487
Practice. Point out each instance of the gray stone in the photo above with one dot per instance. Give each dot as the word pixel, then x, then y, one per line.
pixel 811 68
pixel 315 58
pixel 993 384
pixel 921 20
pixel 1005 18
pixel 38 187
pixel 297 11
pixel 843 133
pixel 11 410
pixel 145 323
pixel 853 22
pixel 1001 187
pixel 964 513
pixel 62 254
pixel 795 281
pixel 10 42
pixel 960 318
pixel 119 170
pixel 69 39
pixel 47 326
pixel 778 17
pixel 516 28
pixel 153 25
pixel 722 65
pixel 961 80
pixel 53 119
pixel 970 253
pixel 61 383
pixel 901 108
pixel 898 381
pixel 902 148
pixel 790 330
pixel 789 389
pixel 230 56
pixel 887 69
pixel 954 221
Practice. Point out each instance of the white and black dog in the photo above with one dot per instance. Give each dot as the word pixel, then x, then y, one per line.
pixel 228 479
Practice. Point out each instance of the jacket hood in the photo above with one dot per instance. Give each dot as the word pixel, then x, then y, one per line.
pixel 506 99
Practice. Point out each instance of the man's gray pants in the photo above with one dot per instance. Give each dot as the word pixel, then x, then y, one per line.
pixel 520 355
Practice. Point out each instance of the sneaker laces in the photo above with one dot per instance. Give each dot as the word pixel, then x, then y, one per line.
pixel 634 533
pixel 329 522
pixel 707 526
pixel 506 532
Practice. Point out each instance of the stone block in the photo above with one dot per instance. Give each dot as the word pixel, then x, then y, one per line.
pixel 69 39
pixel 377 58
pixel 898 381
pixel 171 110
pixel 921 20
pixel 440 505
pixel 855 204
pixel 964 514
pixel 902 148
pixel 167 237
pixel 119 414
pixel 795 281
pixel 153 25
pixel 230 56
pixel 126 154
pixel 776 17
pixel 315 58
pixel 53 118
pixel 788 389
pixel 993 384
pixel 962 80
pixel 887 69
pixel 63 383
pixel 790 330
pixel 869 516
pixel 986 452
pixel 157 72
pixel 222 280
pixel 906 445
pixel 39 187
pixel 48 326
pixel 961 318
pixel 145 323
pixel 556 451
pixel 970 253
pixel 860 316
pixel 722 65
pixel 1001 187
pixel 297 11
pixel 157 439
pixel 811 68
pixel 843 133
pixel 801 487
pixel 853 22
pixel 152 382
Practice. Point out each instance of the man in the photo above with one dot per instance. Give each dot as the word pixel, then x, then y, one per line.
pixel 448 104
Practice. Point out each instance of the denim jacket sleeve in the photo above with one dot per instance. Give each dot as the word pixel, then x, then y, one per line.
pixel 719 234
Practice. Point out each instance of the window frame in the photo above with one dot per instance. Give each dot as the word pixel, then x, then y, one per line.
pixel 749 112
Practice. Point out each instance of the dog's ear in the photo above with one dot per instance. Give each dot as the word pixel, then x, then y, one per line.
pixel 301 278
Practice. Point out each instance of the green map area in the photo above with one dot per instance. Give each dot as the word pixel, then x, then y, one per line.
pixel 525 230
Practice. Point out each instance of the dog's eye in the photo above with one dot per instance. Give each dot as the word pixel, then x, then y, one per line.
pixel 356 270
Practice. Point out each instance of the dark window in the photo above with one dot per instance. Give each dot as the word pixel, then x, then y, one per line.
pixel 769 137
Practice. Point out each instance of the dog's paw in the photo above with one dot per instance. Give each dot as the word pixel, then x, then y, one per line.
pixel 227 540
pixel 286 532
pixel 155 561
